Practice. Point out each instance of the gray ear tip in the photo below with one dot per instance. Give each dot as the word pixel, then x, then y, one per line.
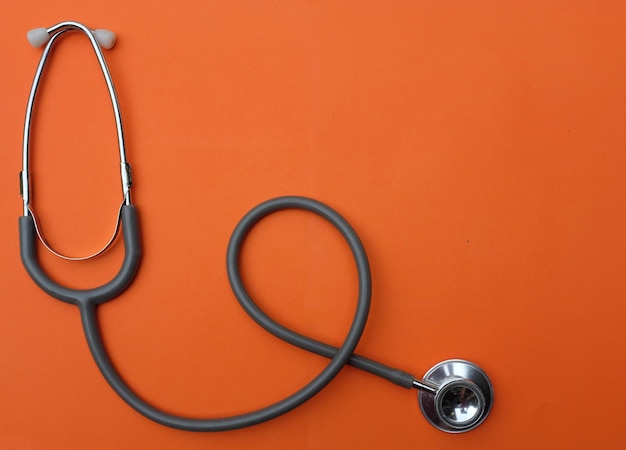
pixel 106 38
pixel 38 37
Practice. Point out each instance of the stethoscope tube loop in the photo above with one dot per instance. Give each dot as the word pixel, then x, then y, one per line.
pixel 261 211
pixel 339 356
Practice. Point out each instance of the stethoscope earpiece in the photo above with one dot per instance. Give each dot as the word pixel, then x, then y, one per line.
pixel 37 37
pixel 106 38
pixel 463 398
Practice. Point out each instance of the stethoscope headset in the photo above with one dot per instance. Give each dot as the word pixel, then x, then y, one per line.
pixel 455 395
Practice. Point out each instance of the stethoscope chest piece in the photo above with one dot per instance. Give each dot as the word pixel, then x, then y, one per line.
pixel 463 399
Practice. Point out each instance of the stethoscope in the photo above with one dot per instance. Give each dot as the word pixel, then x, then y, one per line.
pixel 455 395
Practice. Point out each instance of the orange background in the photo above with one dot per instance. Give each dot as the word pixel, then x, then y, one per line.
pixel 477 147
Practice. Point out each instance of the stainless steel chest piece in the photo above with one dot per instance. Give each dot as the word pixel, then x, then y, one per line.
pixel 463 398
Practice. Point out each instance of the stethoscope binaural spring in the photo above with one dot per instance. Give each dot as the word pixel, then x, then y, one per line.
pixel 455 395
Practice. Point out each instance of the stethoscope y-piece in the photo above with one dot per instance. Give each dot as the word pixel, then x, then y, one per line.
pixel 455 395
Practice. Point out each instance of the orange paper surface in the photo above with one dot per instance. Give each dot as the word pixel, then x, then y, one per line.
pixel 477 147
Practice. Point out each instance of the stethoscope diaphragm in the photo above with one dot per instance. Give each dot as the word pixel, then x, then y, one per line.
pixel 463 399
